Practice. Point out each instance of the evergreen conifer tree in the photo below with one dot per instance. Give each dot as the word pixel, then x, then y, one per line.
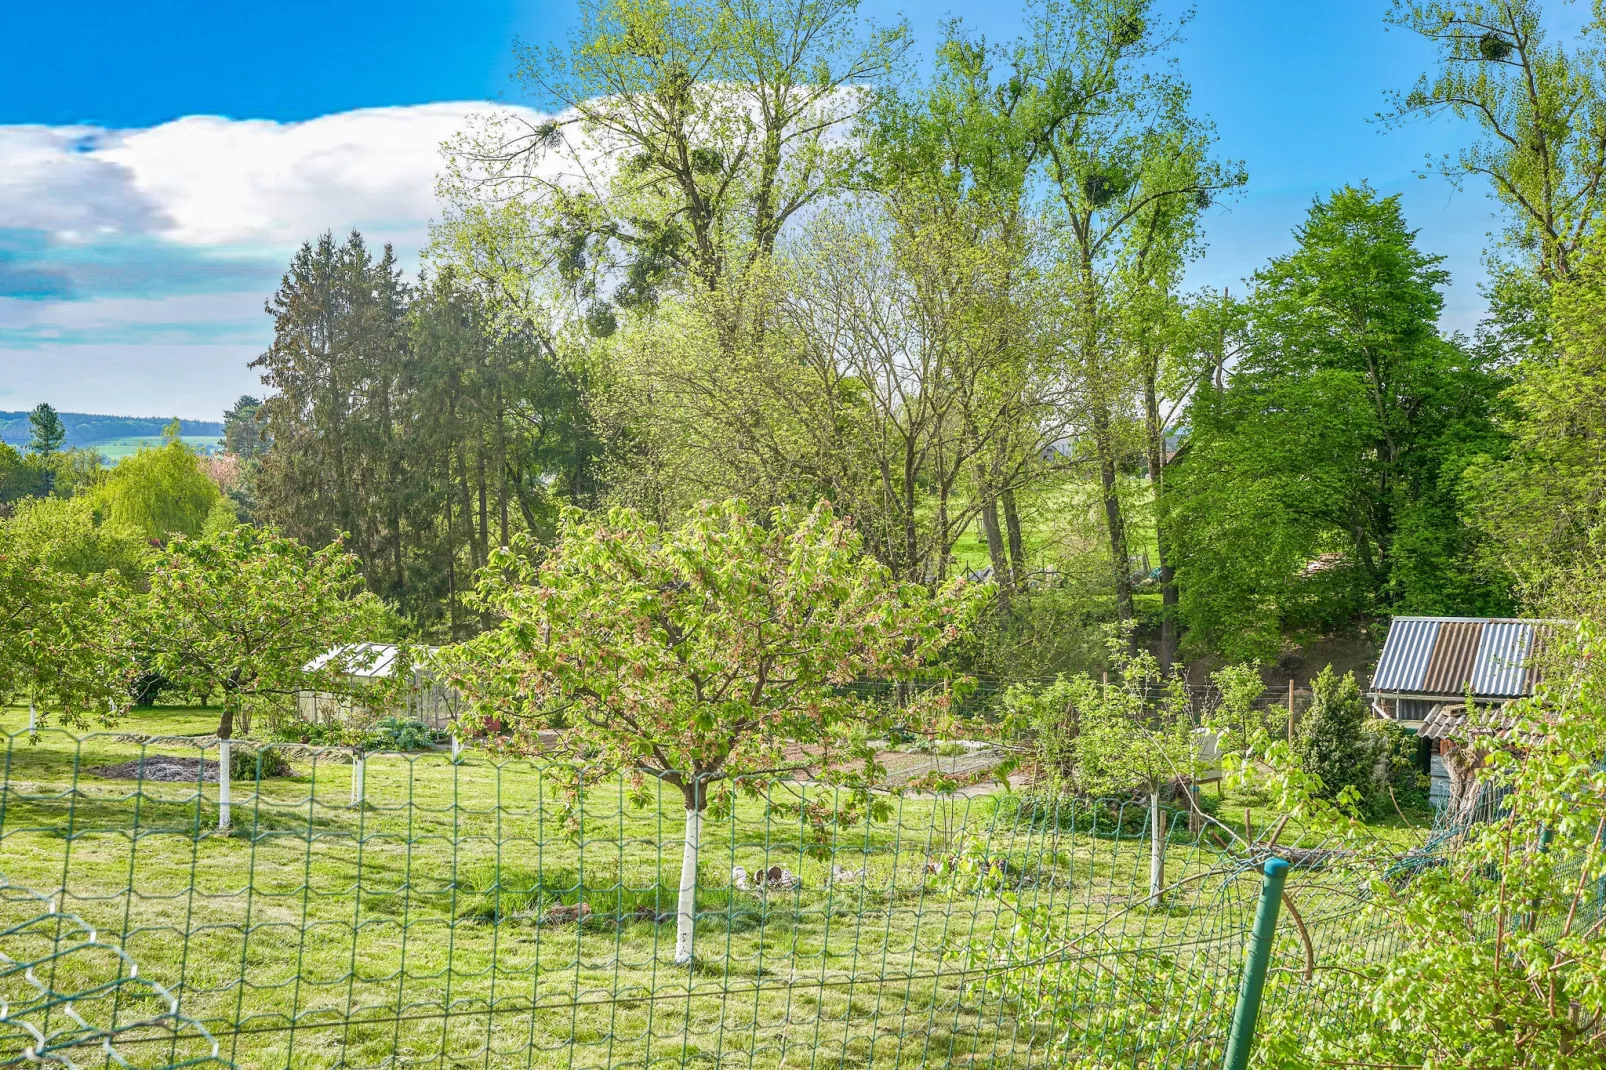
pixel 1332 742
pixel 48 431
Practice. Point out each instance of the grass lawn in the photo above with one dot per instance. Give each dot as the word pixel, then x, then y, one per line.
pixel 436 922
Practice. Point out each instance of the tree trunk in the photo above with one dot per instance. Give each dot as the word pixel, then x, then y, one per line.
pixel 357 780
pixel 485 523
pixel 223 785
pixel 1168 614
pixel 501 465
pixel 1017 545
pixel 996 556
pixel 1462 763
pixel 686 909
pixel 1115 521
pixel 1156 849
pixel 1168 584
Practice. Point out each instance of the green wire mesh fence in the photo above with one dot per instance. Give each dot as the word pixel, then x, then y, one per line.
pixel 70 998
pixel 414 910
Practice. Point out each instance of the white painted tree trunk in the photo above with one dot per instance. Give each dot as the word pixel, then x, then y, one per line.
pixel 1156 849
pixel 356 781
pixel 33 717
pixel 686 911
pixel 223 785
pixel 457 748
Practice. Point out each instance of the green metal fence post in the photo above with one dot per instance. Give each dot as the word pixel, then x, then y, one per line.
pixel 1242 1037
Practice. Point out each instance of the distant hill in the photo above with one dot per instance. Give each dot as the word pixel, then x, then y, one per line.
pixel 89 429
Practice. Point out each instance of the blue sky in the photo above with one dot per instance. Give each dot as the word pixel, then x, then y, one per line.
pixel 159 161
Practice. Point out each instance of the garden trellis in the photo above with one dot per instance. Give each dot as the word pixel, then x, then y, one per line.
pixel 472 913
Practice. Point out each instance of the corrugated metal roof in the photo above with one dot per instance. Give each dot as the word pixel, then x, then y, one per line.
pixel 1502 665
pixel 1454 654
pixel 1441 656
pixel 1451 722
pixel 1404 661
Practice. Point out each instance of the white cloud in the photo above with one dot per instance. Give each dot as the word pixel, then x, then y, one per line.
pixel 134 263
pixel 207 181
pixel 55 179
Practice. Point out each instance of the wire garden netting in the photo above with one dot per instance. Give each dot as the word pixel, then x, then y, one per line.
pixel 414 910
pixel 70 998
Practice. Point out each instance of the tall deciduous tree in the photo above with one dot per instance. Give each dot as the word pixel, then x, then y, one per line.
pixel 1322 479
pixel 1545 507
pixel 953 164
pixel 1539 110
pixel 688 135
pixel 1128 170
pixel 696 654
pixel 688 138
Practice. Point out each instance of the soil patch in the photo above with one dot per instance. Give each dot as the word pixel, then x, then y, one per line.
pixel 161 768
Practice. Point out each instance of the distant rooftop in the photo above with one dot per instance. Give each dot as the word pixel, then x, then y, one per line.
pixel 1442 657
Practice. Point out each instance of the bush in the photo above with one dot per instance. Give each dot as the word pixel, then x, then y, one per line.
pixel 246 763
pixel 1333 743
pixel 1394 769
pixel 311 733
pixel 1046 715
pixel 399 733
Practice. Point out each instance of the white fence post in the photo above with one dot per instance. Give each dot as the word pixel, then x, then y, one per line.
pixel 1156 849
pixel 223 785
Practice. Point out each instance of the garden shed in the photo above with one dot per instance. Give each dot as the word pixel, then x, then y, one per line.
pixel 1431 666
pixel 428 699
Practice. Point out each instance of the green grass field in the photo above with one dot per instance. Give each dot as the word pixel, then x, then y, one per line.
pixel 435 923
pixel 116 449
pixel 1069 504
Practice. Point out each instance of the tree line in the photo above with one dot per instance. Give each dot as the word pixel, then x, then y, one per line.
pixel 778 255
pixel 752 255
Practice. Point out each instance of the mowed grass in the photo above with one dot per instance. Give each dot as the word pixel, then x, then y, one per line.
pixel 441 920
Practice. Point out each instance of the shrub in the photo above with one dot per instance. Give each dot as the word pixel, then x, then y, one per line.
pixel 1047 716
pixel 1394 769
pixel 1333 743
pixel 311 733
pixel 248 763
pixel 399 733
